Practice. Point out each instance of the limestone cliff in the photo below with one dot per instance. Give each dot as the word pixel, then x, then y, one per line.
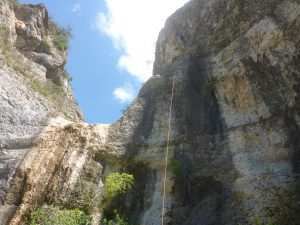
pixel 235 126
pixel 31 87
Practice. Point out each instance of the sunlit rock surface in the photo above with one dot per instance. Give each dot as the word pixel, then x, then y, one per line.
pixel 25 98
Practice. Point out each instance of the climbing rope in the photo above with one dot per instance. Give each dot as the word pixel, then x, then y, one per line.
pixel 167 153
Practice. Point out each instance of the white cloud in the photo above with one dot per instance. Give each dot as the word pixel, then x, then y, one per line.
pixel 123 95
pixel 76 8
pixel 133 26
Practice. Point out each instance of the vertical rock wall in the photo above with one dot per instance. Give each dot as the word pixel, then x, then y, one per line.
pixel 27 98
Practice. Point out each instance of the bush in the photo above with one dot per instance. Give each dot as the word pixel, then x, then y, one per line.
pixel 118 220
pixel 55 216
pixel 61 42
pixel 84 199
pixel 118 183
pixel 59 35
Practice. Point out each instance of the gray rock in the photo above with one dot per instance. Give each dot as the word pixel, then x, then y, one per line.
pixel 5 213
pixel 30 26
pixel 26 98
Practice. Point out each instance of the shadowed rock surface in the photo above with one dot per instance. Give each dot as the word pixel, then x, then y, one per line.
pixel 235 126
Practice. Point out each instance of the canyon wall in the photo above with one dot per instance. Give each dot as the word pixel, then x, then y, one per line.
pixel 31 89
pixel 235 124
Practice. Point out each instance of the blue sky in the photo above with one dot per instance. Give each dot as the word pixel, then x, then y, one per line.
pixel 112 51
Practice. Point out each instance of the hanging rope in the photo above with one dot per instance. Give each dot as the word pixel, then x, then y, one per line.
pixel 167 153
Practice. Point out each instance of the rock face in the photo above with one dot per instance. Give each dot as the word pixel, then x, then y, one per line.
pixel 235 125
pixel 236 106
pixel 28 99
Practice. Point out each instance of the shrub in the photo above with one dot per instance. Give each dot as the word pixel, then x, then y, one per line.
pixel 118 183
pixel 83 199
pixel 51 215
pixel 59 35
pixel 118 220
pixel 61 42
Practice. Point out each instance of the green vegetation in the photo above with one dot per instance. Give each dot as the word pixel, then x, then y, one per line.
pixel 48 89
pixel 285 209
pixel 87 198
pixel 61 42
pixel 35 85
pixel 117 220
pixel 51 215
pixel 176 167
pixel 60 36
pixel 83 199
pixel 46 44
pixel 118 183
pixel 259 221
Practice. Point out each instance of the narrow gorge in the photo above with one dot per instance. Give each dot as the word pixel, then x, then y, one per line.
pixel 234 148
